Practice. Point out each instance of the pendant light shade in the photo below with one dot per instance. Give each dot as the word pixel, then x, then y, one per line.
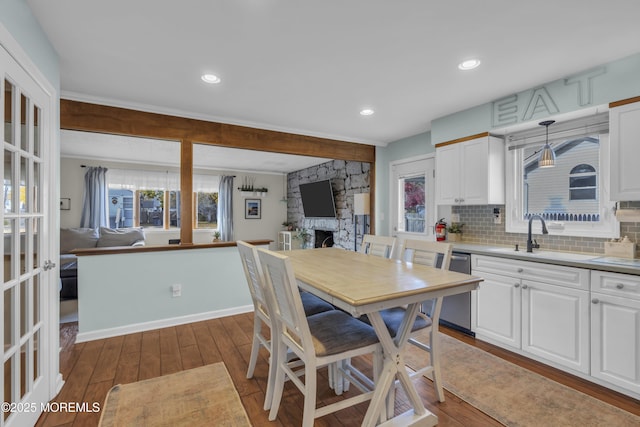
pixel 547 155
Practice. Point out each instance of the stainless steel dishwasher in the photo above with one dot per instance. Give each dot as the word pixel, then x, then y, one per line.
pixel 456 309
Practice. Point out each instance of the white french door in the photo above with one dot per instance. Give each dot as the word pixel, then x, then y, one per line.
pixel 413 198
pixel 27 292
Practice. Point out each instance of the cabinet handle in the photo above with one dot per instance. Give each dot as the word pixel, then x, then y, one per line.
pixel 517 285
pixel 525 286
pixel 520 270
pixel 619 286
pixel 595 301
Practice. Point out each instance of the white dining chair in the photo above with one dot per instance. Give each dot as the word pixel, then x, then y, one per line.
pixel 382 246
pixel 261 309
pixel 319 340
pixel 425 253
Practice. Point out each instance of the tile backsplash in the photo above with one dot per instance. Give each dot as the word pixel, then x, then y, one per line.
pixel 479 228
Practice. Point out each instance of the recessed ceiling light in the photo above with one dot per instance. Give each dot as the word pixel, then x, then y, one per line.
pixel 210 78
pixel 366 112
pixel 469 64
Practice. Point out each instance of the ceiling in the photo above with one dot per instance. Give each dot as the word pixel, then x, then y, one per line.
pixel 310 67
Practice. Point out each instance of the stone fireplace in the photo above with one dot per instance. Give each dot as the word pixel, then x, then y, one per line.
pixel 347 178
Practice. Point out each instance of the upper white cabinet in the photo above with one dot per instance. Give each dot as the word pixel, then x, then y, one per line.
pixel 624 131
pixel 470 171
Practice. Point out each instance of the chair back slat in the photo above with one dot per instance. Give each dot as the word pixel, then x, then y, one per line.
pixel 288 309
pixel 426 253
pixel 381 246
pixel 253 274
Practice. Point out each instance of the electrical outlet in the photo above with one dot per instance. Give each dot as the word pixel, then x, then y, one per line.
pixel 497 216
pixel 455 217
pixel 176 290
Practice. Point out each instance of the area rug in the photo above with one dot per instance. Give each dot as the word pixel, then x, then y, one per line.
pixel 513 395
pixel 202 396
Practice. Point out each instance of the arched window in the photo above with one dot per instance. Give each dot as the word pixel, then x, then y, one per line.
pixel 583 183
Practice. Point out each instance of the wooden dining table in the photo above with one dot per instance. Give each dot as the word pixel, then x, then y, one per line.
pixel 366 284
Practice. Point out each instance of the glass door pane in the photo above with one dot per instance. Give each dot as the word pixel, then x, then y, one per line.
pixel 413 198
pixel 25 329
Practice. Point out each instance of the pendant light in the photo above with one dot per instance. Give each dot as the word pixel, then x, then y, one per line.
pixel 547 157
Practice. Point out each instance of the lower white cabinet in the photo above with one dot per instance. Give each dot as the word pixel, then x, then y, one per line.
pixel 615 329
pixel 496 309
pixel 547 318
pixel 555 324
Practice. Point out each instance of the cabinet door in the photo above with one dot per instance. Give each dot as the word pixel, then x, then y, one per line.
pixel 615 340
pixel 555 324
pixel 474 188
pixel 449 172
pixel 624 128
pixel 495 313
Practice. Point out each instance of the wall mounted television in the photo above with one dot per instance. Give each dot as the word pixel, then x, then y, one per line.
pixel 317 199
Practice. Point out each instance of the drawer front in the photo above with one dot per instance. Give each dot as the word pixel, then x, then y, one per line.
pixel 571 277
pixel 624 285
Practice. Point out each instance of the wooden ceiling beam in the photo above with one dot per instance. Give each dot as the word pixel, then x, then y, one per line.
pixel 82 116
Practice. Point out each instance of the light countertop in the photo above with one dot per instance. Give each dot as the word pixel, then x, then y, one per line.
pixel 570 259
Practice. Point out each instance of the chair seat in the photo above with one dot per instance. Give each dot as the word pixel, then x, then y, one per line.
pixel 393 319
pixel 336 332
pixel 313 304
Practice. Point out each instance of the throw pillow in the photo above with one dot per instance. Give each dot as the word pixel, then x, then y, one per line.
pixel 119 237
pixel 77 238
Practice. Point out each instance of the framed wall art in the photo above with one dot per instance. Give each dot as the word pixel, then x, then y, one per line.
pixel 252 208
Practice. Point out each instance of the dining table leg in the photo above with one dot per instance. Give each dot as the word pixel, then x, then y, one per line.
pixel 394 367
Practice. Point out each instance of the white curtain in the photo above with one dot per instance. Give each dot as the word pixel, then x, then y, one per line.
pixel 144 179
pixel 225 208
pixel 95 206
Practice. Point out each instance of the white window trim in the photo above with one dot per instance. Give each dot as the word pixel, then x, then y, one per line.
pixel 607 227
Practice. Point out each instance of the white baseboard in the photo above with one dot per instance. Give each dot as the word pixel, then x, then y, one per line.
pixel 158 324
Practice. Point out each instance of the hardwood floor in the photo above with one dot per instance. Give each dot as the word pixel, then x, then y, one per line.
pixel 90 369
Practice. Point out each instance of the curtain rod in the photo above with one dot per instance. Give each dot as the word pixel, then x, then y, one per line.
pixel 124 169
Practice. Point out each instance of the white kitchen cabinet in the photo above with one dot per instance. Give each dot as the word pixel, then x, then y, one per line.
pixel 624 133
pixel 540 309
pixel 555 324
pixel 470 171
pixel 496 309
pixel 615 329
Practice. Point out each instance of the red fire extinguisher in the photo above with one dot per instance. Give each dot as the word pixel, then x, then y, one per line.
pixel 441 230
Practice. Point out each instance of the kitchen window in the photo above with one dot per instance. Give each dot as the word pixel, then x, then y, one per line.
pixel 572 196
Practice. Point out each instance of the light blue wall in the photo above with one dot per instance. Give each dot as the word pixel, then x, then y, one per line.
pixel 417 145
pixel 122 293
pixel 597 86
pixel 16 17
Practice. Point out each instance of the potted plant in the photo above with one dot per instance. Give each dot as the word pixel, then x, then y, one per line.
pixel 287 225
pixel 303 235
pixel 216 236
pixel 455 232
